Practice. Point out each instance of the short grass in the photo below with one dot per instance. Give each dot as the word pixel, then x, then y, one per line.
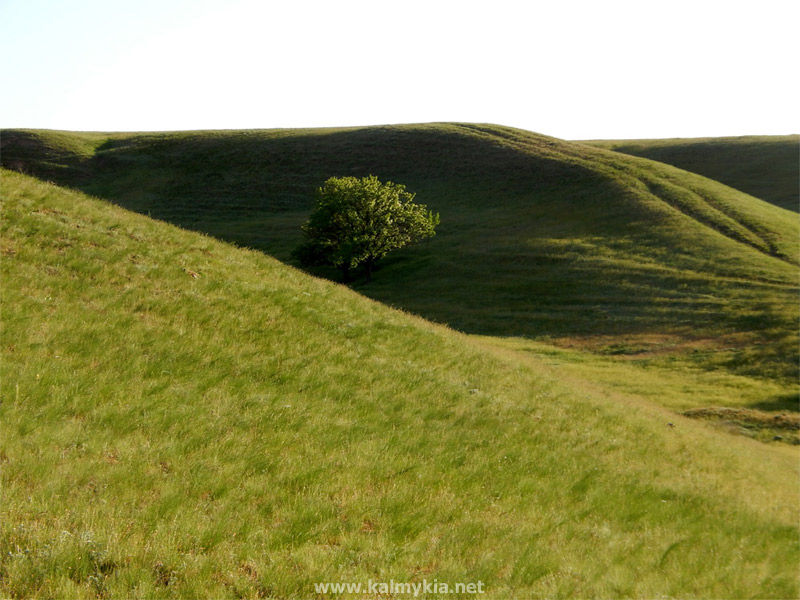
pixel 767 167
pixel 539 238
pixel 181 418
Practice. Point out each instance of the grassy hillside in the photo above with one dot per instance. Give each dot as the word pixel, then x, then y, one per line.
pixel 181 418
pixel 767 167
pixel 539 237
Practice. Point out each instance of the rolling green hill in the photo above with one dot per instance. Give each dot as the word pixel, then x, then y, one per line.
pixel 182 418
pixel 767 167
pixel 540 238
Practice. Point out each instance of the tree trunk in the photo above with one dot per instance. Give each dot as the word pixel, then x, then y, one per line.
pixel 368 266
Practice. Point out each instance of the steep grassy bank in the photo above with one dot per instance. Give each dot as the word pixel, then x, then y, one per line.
pixel 539 237
pixel 180 418
pixel 767 167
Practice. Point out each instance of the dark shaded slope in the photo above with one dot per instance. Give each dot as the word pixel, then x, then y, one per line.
pixel 539 237
pixel 767 167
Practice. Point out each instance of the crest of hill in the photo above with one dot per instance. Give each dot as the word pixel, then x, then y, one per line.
pixel 182 417
pixel 539 237
pixel 767 167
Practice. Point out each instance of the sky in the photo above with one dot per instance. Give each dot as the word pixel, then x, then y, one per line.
pixel 608 69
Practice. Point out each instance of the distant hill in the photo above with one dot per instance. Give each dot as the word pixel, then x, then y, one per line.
pixel 183 418
pixel 539 237
pixel 767 167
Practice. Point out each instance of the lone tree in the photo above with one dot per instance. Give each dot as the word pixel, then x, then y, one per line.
pixel 356 222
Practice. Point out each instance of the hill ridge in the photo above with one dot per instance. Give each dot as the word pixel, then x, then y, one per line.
pixel 514 139
pixel 539 238
pixel 766 167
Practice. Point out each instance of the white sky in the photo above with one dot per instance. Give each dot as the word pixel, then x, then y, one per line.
pixel 572 69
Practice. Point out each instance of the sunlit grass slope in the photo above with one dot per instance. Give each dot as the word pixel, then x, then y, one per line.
pixel 181 418
pixel 768 167
pixel 539 237
pixel 739 404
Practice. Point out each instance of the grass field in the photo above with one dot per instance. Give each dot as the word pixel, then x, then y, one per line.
pixel 752 406
pixel 767 167
pixel 540 238
pixel 183 418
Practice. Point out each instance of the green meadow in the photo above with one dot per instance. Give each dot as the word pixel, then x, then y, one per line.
pixel 541 238
pixel 766 166
pixel 585 385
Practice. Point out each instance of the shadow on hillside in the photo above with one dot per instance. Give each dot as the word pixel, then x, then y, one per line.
pixel 785 402
pixel 517 253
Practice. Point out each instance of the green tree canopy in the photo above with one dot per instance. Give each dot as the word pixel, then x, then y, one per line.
pixel 356 222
